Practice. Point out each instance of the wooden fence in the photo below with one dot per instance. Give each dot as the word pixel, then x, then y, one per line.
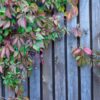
pixel 60 78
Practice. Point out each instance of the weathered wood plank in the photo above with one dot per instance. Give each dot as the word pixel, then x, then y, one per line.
pixel 25 86
pixel 47 74
pixel 35 80
pixel 85 42
pixel 71 64
pixel 9 93
pixel 96 30
pixel 60 68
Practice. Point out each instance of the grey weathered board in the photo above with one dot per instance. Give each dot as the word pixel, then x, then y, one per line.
pixel 85 42
pixel 61 78
pixel 95 32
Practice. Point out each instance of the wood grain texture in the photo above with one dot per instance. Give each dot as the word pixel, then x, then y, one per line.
pixel 60 68
pixel 96 31
pixel 25 86
pixel 85 42
pixel 35 80
pixel 47 74
pixel 9 93
pixel 71 63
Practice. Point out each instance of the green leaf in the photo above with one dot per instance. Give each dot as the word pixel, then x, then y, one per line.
pixel 39 36
pixel 78 57
pixel 38 45
pixel 30 68
pixel 52 36
pixel 23 50
pixel 38 30
pixel 3 10
pixel 21 30
pixel 29 29
pixel 6 32
pixel 1 38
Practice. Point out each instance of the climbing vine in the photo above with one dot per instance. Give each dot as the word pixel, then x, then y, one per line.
pixel 28 26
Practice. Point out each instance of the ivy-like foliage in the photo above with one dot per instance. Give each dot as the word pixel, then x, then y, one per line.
pixel 27 26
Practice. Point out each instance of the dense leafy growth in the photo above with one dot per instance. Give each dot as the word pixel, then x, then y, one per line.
pixel 26 26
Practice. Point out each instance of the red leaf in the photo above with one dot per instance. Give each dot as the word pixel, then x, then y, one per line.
pixel 22 22
pixel 43 1
pixel 19 44
pixel 8 2
pixel 7 53
pixel 74 2
pixel 6 25
pixel 3 52
pixel 74 11
pixel 8 14
pixel 1 70
pixel 15 41
pixel 69 16
pixel 87 51
pixel 22 41
pixel 2 23
pixel 11 48
pixel 77 32
pixel 76 51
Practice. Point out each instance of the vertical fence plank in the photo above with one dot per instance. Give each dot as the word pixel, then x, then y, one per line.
pixel 96 30
pixel 9 94
pixel 47 74
pixel 60 68
pixel 35 80
pixel 85 42
pixel 25 86
pixel 71 64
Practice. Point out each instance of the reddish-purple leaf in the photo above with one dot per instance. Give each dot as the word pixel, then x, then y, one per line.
pixel 3 52
pixel 19 44
pixel 21 40
pixel 74 2
pixel 15 41
pixel 43 1
pixel 8 2
pixel 1 70
pixel 69 16
pixel 76 51
pixel 2 23
pixel 6 25
pixel 11 48
pixel 7 53
pixel 22 22
pixel 88 51
pixel 77 32
pixel 74 11
pixel 8 14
